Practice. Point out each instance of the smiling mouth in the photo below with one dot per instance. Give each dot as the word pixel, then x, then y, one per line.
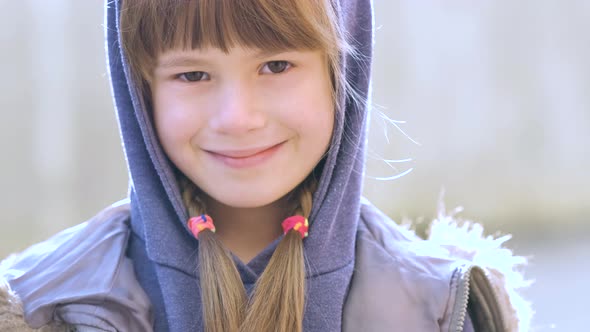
pixel 243 153
pixel 245 157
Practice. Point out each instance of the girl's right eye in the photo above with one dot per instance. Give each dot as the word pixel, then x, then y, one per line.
pixel 194 76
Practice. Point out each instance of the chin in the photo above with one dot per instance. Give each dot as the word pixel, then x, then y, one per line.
pixel 248 200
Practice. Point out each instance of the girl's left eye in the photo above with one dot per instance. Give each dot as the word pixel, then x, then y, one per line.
pixel 194 76
pixel 276 67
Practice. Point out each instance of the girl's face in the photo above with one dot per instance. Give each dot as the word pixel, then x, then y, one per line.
pixel 245 126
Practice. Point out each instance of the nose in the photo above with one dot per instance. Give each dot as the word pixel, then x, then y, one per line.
pixel 236 110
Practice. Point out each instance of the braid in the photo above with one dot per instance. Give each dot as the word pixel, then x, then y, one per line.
pixel 278 301
pixel 222 291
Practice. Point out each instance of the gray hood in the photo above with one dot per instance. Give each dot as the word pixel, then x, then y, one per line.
pixel 163 250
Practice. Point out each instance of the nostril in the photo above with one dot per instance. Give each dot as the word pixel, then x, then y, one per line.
pixel 237 120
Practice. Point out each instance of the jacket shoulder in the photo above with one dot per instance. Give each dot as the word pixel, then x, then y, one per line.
pixel 397 280
pixel 427 284
pixel 81 277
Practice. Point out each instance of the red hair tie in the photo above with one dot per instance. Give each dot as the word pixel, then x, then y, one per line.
pixel 200 223
pixel 298 223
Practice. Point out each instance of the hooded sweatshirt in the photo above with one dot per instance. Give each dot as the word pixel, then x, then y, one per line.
pixel 164 251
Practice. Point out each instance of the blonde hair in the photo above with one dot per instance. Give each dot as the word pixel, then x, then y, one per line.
pixel 277 303
pixel 149 28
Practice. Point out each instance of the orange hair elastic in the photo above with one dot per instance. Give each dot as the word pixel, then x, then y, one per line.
pixel 200 223
pixel 298 223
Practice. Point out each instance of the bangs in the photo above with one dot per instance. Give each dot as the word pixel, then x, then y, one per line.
pixel 150 27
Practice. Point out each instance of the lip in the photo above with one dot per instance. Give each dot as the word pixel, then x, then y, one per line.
pixel 245 157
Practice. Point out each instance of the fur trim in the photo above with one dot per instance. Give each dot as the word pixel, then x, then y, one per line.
pixel 465 239
pixel 11 310
pixel 12 317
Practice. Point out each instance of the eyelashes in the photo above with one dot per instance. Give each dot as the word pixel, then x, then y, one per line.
pixel 194 76
pixel 270 67
pixel 277 67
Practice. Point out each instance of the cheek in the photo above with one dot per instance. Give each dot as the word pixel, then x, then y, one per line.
pixel 317 112
pixel 176 118
pixel 308 107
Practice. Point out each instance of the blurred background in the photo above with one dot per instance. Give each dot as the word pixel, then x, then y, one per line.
pixel 490 102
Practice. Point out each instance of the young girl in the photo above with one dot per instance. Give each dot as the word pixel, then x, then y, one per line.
pixel 243 124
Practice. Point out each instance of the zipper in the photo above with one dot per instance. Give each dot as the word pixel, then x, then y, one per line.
pixel 463 274
pixel 485 294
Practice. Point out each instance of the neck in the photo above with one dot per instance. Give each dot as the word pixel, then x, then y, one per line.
pixel 247 231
